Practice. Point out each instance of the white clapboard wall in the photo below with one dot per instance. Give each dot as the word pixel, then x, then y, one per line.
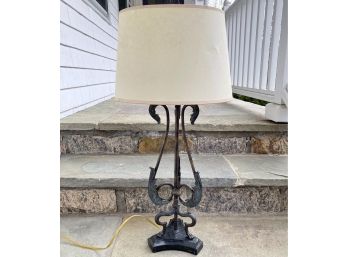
pixel 88 53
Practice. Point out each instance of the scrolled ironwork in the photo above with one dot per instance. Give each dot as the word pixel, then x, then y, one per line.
pixel 187 225
pixel 196 192
pixel 163 214
pixel 176 229
pixel 195 113
pixel 153 114
pixel 197 189
pixel 152 186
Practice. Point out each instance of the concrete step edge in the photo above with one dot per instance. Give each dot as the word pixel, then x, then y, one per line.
pixel 132 171
pixel 111 115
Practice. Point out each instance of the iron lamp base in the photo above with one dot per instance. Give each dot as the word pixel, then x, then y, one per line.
pixel 175 237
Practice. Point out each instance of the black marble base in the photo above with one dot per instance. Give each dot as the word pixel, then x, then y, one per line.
pixel 174 237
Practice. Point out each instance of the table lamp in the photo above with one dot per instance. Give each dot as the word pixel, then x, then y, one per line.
pixel 173 55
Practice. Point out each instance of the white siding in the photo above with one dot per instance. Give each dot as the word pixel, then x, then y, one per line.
pixel 88 54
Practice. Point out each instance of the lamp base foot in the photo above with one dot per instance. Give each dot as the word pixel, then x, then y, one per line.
pixel 175 237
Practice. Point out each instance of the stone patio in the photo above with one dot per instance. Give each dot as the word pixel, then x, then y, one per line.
pixel 223 236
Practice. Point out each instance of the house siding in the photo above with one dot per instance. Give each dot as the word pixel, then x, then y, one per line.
pixel 88 55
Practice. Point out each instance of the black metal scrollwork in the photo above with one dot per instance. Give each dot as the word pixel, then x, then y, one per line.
pixel 152 187
pixel 196 192
pixel 154 115
pixel 197 189
pixel 163 214
pixel 194 115
pixel 187 225
pixel 175 234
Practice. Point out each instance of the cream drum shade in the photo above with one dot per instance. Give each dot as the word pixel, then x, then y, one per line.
pixel 172 54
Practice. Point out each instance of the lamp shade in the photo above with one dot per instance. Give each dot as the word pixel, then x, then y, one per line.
pixel 173 54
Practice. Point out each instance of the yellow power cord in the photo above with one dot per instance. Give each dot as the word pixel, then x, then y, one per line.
pixel 73 242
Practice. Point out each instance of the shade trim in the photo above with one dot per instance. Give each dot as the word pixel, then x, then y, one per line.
pixel 133 101
pixel 171 6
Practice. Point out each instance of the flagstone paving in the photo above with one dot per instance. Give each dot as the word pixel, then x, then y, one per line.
pixel 223 236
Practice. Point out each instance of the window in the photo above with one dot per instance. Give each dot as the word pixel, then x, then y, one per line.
pixel 122 4
pixel 100 7
pixel 103 4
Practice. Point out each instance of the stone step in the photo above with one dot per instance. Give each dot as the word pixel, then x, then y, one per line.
pixel 112 127
pixel 118 183
pixel 242 235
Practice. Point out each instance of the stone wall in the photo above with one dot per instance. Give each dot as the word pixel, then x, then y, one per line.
pixel 215 200
pixel 126 142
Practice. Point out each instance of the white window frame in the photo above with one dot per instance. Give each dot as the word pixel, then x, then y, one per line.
pixel 99 10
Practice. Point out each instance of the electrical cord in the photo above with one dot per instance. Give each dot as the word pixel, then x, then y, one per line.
pixel 73 242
